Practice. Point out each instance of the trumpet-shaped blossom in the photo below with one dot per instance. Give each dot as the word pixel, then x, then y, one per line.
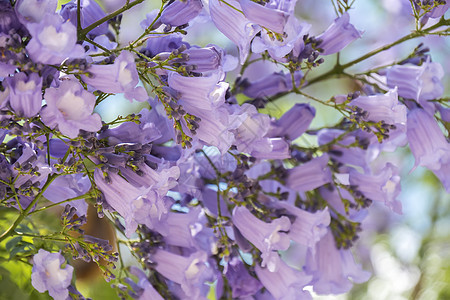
pixel 332 269
pixel 439 11
pixel 384 186
pixel 271 85
pixel 428 144
pixel 67 187
pixel 382 107
pixel 242 284
pixel 120 77
pixel 47 274
pixel 206 102
pixel 70 107
pixel 90 13
pixel 179 229
pixel 130 132
pixel 138 199
pixel 291 41
pixel 294 122
pixel 308 228
pixel 34 11
pixel 25 95
pixel 191 272
pixel 149 291
pixel 265 16
pixel 338 35
pixel 286 283
pixel 267 237
pixel 53 40
pixel 420 83
pixel 310 175
pixel 31 158
pixel 233 24
pixel 181 12
pixel 346 155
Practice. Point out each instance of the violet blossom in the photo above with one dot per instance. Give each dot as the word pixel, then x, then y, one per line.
pixel 420 83
pixel 70 107
pixel 234 25
pixel 428 144
pixel 119 77
pixel 309 175
pixel 25 95
pixel 294 122
pixel 242 284
pixel 53 40
pixel 181 12
pixel 285 283
pixel 190 272
pixel 47 274
pixel 267 237
pixel 338 35
pixel 332 269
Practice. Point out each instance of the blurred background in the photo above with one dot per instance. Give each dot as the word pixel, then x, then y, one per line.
pixel 409 254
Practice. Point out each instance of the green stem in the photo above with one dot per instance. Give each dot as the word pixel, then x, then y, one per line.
pixel 58 203
pixel 27 210
pixel 339 69
pixel 82 33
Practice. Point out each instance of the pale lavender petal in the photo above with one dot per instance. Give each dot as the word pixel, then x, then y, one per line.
pixel 338 35
pixel 310 175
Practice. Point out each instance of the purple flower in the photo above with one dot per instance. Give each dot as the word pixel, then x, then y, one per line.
pixel 267 237
pixel 138 199
pixel 179 229
pixel 69 186
pixel 439 11
pixel 205 101
pixel 34 11
pixel 421 83
pixel 70 107
pixel 31 158
pixel 309 175
pixel 294 122
pixel 268 17
pixel 233 24
pixel 285 283
pixel 120 77
pixel 271 85
pixel 205 59
pixel 8 19
pixel 384 186
pixel 242 284
pixel 346 154
pixel 271 148
pixel 428 144
pixel 53 40
pixel 292 41
pixel 25 95
pixel 130 132
pixel 334 198
pixel 47 274
pixel 149 291
pixel 382 107
pixel 308 228
pixel 338 35
pixel 181 12
pixel 332 269
pixel 253 127
pixel 191 272
pixel 90 13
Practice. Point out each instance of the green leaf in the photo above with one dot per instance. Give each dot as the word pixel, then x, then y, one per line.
pixel 22 248
pixel 13 243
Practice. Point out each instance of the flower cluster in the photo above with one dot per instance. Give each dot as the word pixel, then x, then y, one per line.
pixel 205 188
